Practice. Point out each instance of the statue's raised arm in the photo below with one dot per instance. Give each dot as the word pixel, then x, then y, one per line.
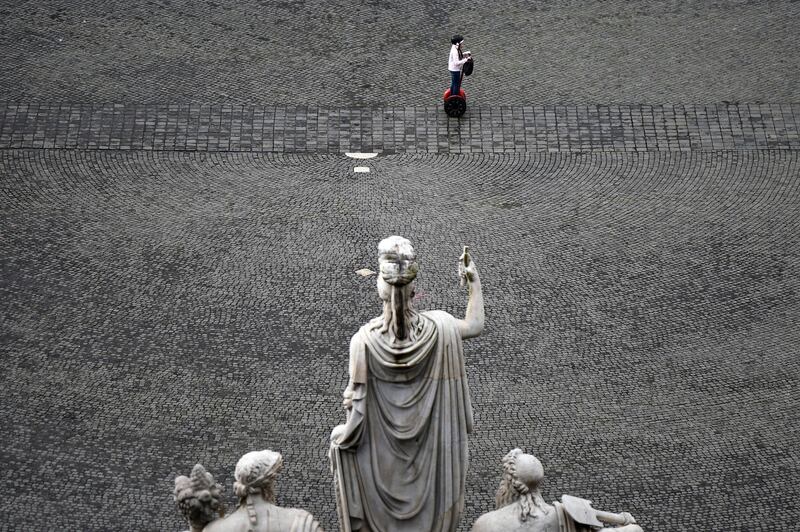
pixel 472 324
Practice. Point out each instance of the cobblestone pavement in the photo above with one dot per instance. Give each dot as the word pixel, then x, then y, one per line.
pixel 482 129
pixel 163 308
pixel 179 232
pixel 381 53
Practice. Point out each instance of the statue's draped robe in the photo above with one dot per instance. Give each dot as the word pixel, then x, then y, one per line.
pixel 401 463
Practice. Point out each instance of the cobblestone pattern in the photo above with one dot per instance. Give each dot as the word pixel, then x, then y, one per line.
pixel 293 129
pixel 380 53
pixel 166 308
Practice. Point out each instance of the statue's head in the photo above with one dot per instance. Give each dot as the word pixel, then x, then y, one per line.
pixel 255 474
pixel 397 262
pixel 528 470
pixel 198 497
pixel 522 476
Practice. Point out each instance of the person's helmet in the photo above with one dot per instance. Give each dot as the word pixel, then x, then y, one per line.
pixel 456 39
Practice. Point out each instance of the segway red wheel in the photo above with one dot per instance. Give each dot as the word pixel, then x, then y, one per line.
pixel 455 106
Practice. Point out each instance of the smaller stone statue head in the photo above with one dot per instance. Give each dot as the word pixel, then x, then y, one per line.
pixel 522 476
pixel 255 475
pixel 198 497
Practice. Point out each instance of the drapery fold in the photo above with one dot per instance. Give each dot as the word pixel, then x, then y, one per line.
pixel 402 460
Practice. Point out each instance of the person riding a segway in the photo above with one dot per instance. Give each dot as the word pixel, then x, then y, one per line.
pixel 460 64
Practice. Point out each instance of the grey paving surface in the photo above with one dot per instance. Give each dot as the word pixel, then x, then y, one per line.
pixel 162 308
pixel 380 53
pixel 288 129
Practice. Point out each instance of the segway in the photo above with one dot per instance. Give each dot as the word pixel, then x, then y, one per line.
pixel 455 105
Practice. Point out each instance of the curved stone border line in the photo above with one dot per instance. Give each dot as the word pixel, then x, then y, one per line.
pixel 293 129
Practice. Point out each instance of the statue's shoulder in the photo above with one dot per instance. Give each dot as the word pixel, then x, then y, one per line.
pixel 441 318
pixel 233 522
pixel 359 338
pixel 305 521
pixel 297 519
pixel 294 519
pixel 507 519
pixel 439 315
pixel 497 521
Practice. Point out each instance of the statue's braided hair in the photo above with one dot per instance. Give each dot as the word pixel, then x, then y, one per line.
pixel 514 489
pixel 398 269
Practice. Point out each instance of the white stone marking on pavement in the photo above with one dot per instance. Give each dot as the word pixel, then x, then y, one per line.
pixel 361 169
pixel 359 155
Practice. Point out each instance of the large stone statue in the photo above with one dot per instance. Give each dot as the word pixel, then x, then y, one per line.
pixel 199 500
pixel 521 508
pixel 400 460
